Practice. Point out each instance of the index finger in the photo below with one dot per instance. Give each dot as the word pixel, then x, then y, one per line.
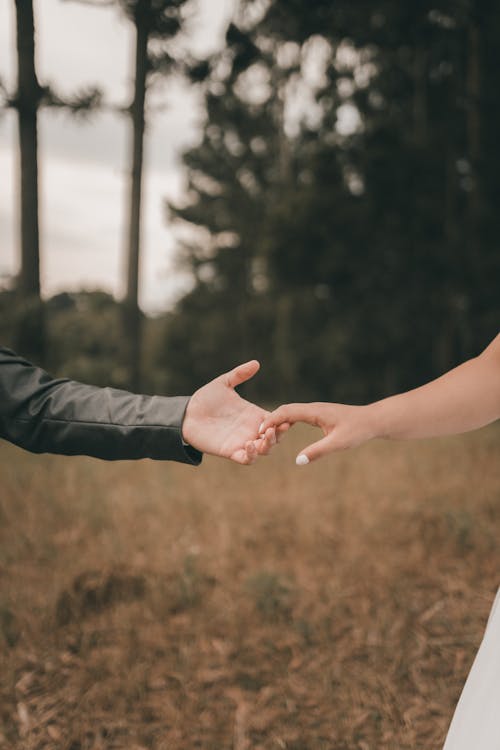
pixel 290 413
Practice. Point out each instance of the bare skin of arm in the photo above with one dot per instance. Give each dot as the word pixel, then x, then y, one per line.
pixel 463 399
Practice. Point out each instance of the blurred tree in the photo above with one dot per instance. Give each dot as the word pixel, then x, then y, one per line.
pixel 84 333
pixel 156 23
pixel 229 179
pixel 27 100
pixel 344 208
pixel 262 272
pixel 84 338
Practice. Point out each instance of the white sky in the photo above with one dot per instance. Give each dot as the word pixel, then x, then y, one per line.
pixel 83 165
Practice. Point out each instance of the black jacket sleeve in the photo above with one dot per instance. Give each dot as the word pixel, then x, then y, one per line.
pixel 45 415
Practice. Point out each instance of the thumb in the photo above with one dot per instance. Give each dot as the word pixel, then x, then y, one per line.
pixel 241 373
pixel 315 451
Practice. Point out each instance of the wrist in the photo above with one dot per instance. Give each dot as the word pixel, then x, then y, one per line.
pixel 188 431
pixel 374 420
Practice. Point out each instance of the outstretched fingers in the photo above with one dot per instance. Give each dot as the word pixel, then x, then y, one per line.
pixel 253 449
pixel 289 414
pixel 247 455
pixel 241 373
pixel 266 442
pixel 315 450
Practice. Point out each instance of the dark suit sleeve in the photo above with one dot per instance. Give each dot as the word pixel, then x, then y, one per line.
pixel 47 415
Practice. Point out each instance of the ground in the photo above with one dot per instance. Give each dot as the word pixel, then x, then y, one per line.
pixel 159 606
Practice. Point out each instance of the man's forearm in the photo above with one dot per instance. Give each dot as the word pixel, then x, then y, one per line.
pixel 47 415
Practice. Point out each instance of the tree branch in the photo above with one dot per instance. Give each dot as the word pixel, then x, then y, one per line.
pixel 82 103
pixel 94 3
pixel 4 95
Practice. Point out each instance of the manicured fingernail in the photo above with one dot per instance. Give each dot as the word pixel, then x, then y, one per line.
pixel 260 428
pixel 301 460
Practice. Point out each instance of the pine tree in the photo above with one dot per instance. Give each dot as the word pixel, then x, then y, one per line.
pixel 27 100
pixel 156 23
pixel 376 250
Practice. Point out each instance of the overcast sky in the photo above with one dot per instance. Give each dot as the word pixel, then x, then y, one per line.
pixel 83 165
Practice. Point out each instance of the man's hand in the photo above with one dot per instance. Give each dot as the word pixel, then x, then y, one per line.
pixel 220 422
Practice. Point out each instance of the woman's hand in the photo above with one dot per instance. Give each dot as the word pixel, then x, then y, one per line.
pixel 463 399
pixel 343 426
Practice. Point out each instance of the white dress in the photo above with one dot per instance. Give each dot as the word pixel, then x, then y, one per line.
pixel 476 722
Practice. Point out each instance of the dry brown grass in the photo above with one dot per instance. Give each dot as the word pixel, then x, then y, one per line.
pixel 148 605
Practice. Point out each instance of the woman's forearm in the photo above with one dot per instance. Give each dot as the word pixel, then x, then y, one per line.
pixel 465 398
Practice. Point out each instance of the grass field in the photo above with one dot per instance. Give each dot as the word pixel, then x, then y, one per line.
pixel 148 605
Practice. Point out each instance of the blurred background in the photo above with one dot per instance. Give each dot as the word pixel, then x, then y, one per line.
pixel 185 184
pixel 189 184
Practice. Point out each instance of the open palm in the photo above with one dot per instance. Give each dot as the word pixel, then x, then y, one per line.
pixel 220 422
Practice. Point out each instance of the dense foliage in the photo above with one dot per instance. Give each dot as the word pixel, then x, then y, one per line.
pixel 350 230
pixel 341 206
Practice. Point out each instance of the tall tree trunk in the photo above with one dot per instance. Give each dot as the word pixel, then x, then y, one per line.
pixel 31 328
pixel 132 311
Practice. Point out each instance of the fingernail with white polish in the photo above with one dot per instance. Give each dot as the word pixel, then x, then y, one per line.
pixel 301 460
